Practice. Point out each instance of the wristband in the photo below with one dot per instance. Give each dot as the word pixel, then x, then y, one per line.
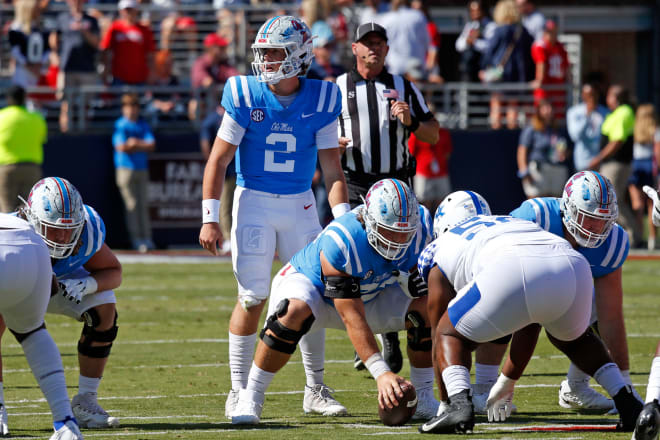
pixel 522 174
pixel 340 209
pixel 376 365
pixel 210 211
pixel 91 285
pixel 414 124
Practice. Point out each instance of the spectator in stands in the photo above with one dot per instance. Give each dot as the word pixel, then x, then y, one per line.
pixel 431 181
pixel 432 65
pixel 507 59
pixel 584 122
pixel 371 10
pixel 532 18
pixel 542 155
pixel 22 136
pixel 77 40
pixel 323 66
pixel 646 153
pixel 29 44
pixel 407 36
pixel 551 62
pixel 616 154
pixel 128 48
pixel 164 106
pixel 473 41
pixel 133 140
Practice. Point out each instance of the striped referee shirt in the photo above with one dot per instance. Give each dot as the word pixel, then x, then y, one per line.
pixel 379 142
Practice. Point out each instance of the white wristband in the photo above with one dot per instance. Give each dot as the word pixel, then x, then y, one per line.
pixel 91 285
pixel 376 365
pixel 210 211
pixel 340 209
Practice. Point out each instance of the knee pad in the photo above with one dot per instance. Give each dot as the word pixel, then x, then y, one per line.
pixel 92 319
pixel 418 332
pixel 282 332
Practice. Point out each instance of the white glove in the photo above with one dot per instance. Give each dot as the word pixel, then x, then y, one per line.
pixel 68 431
pixel 4 429
pixel 653 195
pixel 500 399
pixel 412 283
pixel 74 289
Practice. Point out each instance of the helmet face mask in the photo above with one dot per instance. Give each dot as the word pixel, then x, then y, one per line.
pixel 289 34
pixel 589 208
pixel 456 207
pixel 54 208
pixel 391 215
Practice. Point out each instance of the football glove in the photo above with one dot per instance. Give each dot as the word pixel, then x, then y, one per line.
pixel 653 195
pixel 412 283
pixel 499 404
pixel 66 429
pixel 74 289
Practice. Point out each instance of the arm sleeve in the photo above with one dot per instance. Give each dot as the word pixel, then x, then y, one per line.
pixel 118 137
pixel 461 41
pixel 106 41
pixel 327 137
pixel 524 212
pixel 230 131
pixel 575 124
pixel 147 135
pixel 526 137
pixel 538 53
pixel 418 107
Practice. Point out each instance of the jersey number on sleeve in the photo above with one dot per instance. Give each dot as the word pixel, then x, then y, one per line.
pixel 269 162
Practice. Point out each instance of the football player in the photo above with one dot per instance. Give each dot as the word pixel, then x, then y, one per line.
pixel 27 279
pixel 493 276
pixel 87 271
pixel 355 276
pixel 276 122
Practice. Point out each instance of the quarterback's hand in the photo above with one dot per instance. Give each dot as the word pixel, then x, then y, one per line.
pixel 74 289
pixel 389 389
pixel 210 237
pixel 4 429
pixel 500 399
pixel 412 283
pixel 653 195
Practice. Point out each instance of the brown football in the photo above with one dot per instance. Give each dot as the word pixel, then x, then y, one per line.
pixel 400 415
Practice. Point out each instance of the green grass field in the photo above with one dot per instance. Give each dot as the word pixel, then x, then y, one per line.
pixel 168 374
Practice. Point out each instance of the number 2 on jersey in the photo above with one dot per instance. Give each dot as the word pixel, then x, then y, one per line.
pixel 269 160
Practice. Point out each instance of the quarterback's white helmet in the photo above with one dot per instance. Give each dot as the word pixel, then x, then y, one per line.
pixel 55 210
pixel 391 217
pixel 282 32
pixel 457 207
pixel 589 208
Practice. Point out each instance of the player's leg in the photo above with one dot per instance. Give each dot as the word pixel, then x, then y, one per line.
pixel 4 429
pixel 487 359
pixel 648 422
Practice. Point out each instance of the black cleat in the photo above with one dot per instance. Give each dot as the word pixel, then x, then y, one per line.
pixel 629 408
pixel 392 351
pixel 357 363
pixel 457 418
pixel 648 422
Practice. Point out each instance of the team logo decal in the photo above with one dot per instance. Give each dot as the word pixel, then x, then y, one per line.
pixel 257 115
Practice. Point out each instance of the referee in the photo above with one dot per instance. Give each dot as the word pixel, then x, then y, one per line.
pixel 379 112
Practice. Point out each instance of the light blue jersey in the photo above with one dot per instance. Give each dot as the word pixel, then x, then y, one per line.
pixel 603 259
pixel 92 237
pixel 278 151
pixel 345 246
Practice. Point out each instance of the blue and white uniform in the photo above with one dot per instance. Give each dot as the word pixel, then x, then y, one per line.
pixel 344 244
pixel 274 206
pixel 509 273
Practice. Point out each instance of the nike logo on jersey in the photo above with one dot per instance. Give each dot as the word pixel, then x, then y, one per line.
pixel 307 115
pixel 307 206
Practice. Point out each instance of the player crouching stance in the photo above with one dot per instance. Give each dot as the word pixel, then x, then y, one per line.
pixel 344 279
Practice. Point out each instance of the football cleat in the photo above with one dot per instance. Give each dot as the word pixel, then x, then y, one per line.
pixel 392 351
pixel 580 396
pixel 318 400
pixel 357 363
pixel 4 429
pixel 90 414
pixel 248 409
pixel 66 429
pixel 648 422
pixel 230 403
pixel 427 405
pixel 457 417
pixel 629 409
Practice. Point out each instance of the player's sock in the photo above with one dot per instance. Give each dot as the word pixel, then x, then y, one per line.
pixel 653 388
pixel 46 364
pixel 259 380
pixel 609 377
pixel 241 349
pixel 88 384
pixel 456 379
pixel 421 377
pixel 2 393
pixel 486 374
pixel 574 374
pixel 312 349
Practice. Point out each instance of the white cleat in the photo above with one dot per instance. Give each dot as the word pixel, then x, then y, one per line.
pixel 580 396
pixel 248 409
pixel 427 405
pixel 318 400
pixel 4 429
pixel 68 431
pixel 89 413
pixel 230 403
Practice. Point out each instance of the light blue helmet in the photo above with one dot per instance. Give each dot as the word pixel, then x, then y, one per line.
pixel 455 208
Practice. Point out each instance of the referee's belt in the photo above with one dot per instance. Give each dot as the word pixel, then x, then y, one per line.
pixel 369 179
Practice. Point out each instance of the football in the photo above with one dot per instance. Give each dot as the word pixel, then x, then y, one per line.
pixel 400 415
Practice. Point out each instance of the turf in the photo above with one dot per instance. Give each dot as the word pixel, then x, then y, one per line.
pixel 168 374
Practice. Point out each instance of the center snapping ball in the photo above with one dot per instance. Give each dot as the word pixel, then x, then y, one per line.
pixel 400 415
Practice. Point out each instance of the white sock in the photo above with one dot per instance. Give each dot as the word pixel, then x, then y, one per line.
pixel 653 388
pixel 421 378
pixel 258 382
pixel 456 379
pixel 241 351
pixel 609 377
pixel 2 393
pixel 46 364
pixel 88 384
pixel 574 374
pixel 312 349
pixel 486 374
